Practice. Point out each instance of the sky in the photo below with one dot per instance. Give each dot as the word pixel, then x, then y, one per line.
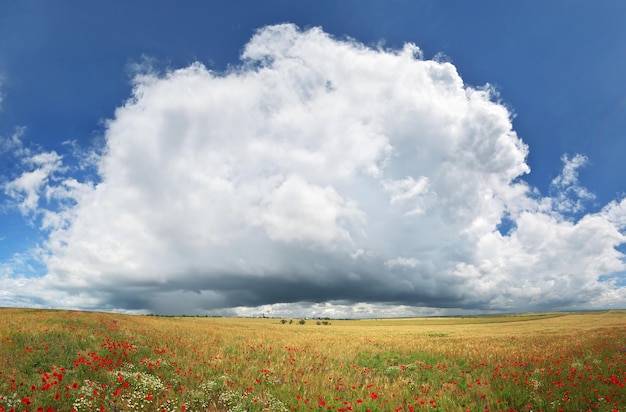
pixel 313 159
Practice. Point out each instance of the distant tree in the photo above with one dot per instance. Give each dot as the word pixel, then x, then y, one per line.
pixel 302 321
pixel 283 321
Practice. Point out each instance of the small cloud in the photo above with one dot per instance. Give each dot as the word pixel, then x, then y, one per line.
pixel 27 188
pixel 567 194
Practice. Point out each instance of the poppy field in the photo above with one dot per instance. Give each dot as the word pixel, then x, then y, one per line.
pixel 86 361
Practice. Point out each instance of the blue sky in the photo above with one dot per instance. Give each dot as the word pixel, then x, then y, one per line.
pixel 75 78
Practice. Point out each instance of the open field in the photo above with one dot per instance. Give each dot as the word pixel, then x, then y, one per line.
pixel 63 361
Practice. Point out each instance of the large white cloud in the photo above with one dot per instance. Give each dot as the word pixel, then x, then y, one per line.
pixel 319 174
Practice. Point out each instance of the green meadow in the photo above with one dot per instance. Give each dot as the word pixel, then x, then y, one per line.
pixel 86 361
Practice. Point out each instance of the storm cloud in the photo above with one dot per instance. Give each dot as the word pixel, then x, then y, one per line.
pixel 318 175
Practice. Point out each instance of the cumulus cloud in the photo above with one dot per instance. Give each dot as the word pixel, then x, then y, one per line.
pixel 27 187
pixel 319 175
pixel 568 194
